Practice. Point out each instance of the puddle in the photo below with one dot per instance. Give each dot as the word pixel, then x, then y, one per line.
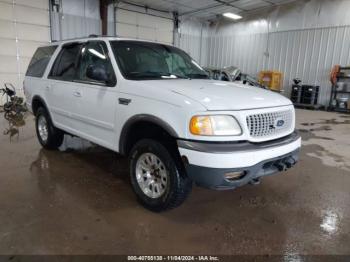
pixel 71 143
pixel 307 124
pixel 333 121
pixel 14 123
pixel 328 158
pixel 307 134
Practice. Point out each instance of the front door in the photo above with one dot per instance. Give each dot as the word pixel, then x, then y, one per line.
pixel 96 100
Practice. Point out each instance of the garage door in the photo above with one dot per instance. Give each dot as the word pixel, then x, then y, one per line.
pixel 24 25
pixel 144 26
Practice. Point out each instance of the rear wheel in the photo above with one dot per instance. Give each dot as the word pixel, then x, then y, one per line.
pixel 157 176
pixel 49 136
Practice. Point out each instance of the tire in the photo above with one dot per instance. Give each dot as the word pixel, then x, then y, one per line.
pixel 49 136
pixel 164 193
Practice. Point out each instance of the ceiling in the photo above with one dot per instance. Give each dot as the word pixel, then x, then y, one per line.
pixel 208 9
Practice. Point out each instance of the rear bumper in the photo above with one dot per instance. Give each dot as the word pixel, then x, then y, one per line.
pixel 208 163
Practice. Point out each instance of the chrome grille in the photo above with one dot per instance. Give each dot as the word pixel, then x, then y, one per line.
pixel 269 124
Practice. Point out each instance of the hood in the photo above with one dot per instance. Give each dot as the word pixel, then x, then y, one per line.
pixel 220 95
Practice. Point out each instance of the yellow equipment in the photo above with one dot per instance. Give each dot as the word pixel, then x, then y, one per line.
pixel 271 79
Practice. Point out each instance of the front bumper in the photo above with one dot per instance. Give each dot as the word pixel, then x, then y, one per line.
pixel 207 163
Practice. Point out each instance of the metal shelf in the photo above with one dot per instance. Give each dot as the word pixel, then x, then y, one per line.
pixel 335 93
pixel 343 77
pixel 342 92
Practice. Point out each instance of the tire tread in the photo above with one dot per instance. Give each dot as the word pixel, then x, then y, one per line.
pixel 56 135
pixel 179 193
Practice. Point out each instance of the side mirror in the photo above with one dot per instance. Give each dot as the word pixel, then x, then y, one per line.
pixel 97 73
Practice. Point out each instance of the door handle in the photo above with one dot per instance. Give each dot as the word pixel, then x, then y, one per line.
pixel 124 101
pixel 77 94
pixel 48 87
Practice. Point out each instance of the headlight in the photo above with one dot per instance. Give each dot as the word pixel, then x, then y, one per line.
pixel 215 125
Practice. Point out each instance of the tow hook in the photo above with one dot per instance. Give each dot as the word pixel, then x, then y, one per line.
pixel 281 166
pixel 290 162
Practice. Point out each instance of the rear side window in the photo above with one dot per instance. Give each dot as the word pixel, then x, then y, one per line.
pixel 65 66
pixel 40 61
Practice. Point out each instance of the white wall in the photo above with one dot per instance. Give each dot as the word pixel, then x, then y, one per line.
pixel 136 22
pixel 24 25
pixel 303 39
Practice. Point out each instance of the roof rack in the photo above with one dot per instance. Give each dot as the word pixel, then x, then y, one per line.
pixel 84 37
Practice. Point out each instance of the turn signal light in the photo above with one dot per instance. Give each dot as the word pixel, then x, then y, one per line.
pixel 201 125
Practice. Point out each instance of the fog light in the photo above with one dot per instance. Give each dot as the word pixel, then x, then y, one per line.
pixel 235 175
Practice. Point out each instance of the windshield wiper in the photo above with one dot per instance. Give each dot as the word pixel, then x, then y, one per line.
pixel 152 74
pixel 198 76
pixel 176 75
pixel 144 74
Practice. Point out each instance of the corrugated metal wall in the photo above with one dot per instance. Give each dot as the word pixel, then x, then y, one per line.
pixel 244 51
pixel 308 54
pixel 304 39
pixel 192 36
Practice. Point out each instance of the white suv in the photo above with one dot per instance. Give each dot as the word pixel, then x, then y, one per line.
pixel 155 104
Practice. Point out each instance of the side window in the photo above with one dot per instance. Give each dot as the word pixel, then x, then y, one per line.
pixel 40 61
pixel 94 56
pixel 65 66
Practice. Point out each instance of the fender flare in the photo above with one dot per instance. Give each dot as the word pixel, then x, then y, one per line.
pixel 37 97
pixel 143 118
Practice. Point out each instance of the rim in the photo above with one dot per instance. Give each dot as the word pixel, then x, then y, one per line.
pixel 42 128
pixel 151 175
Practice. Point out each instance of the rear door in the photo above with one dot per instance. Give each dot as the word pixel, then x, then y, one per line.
pixel 96 101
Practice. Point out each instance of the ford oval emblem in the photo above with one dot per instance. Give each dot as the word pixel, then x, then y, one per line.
pixel 279 123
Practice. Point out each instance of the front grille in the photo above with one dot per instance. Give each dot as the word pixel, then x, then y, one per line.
pixel 269 124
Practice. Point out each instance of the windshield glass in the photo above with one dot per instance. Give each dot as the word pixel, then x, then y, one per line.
pixel 147 61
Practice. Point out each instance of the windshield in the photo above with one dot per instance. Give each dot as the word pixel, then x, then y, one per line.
pixel 147 61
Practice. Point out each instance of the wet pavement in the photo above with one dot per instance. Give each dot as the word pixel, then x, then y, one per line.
pixel 79 201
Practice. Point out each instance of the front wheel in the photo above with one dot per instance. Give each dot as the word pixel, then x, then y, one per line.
pixel 157 176
pixel 49 136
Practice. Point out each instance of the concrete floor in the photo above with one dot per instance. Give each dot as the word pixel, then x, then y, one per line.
pixel 80 202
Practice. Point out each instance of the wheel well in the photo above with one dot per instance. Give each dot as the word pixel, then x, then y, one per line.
pixel 36 104
pixel 146 129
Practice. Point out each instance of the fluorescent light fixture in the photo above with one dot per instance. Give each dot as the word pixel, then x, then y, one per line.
pixel 96 53
pixel 232 16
